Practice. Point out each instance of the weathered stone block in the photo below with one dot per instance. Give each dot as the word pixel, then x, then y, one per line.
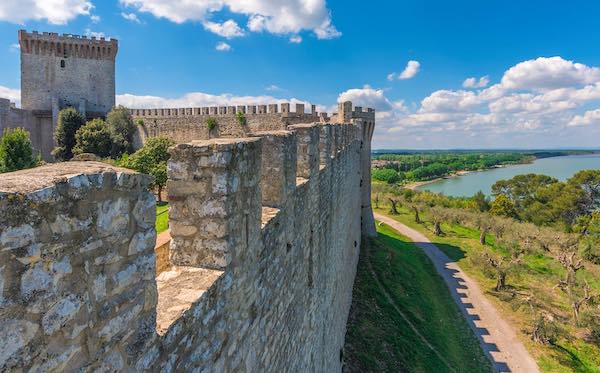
pixel 60 313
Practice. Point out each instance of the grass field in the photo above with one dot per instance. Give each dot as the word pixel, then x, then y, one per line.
pixel 539 278
pixel 162 217
pixel 403 319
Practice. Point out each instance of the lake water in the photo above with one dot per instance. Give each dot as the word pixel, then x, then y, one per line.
pixel 559 167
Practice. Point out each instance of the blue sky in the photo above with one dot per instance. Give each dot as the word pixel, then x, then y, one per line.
pixel 533 65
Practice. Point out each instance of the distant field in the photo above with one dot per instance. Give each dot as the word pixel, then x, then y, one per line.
pixel 404 320
pixel 162 217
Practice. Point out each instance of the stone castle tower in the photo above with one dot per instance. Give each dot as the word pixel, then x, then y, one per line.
pixel 59 71
pixel 67 70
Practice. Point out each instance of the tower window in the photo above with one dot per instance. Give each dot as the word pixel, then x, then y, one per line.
pixel 62 63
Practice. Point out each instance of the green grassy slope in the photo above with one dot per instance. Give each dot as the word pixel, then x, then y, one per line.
pixel 162 217
pixel 539 278
pixel 407 291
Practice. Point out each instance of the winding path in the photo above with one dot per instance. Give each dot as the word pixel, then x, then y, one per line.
pixel 497 338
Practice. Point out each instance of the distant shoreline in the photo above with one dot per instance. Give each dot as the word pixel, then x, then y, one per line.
pixel 415 184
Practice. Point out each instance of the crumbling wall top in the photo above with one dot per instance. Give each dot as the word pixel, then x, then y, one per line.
pixel 33 179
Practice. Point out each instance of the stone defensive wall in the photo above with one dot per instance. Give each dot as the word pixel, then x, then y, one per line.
pixel 183 124
pixel 37 122
pixel 266 233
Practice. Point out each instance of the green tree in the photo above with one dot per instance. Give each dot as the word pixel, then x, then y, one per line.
pixel 588 181
pixel 500 266
pixel 123 130
pixel 94 137
pixel 481 201
pixel 522 189
pixel 151 159
pixel 15 150
pixel 503 206
pixel 69 121
pixel 388 175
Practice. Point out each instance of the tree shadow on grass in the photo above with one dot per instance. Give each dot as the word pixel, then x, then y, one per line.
pixel 569 359
pixel 453 252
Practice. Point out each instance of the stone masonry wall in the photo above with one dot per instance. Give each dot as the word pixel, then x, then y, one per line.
pixel 77 282
pixel 186 124
pixel 38 124
pixel 283 283
pixel 265 241
pixel 68 68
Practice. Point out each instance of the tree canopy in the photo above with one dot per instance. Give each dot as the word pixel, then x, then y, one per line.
pixel 388 175
pixel 111 138
pixel 94 137
pixel 123 130
pixel 151 159
pixel 16 152
pixel 69 121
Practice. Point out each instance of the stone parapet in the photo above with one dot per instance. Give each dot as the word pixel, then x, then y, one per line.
pixel 260 268
pixel 214 194
pixel 77 267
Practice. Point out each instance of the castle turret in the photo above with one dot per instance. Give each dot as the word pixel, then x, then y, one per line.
pixel 72 70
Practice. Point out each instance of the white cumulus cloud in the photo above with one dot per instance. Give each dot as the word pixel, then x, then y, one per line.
pixel 280 17
pixel 199 99
pixel 366 97
pixel 131 17
pixel 547 73
pixel 94 34
pixel 14 95
pixel 228 29
pixel 57 12
pixel 476 83
pixel 537 103
pixel 223 47
pixel 412 68
pixel 296 39
pixel 589 117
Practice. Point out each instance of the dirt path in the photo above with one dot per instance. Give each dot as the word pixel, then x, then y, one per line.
pixel 497 338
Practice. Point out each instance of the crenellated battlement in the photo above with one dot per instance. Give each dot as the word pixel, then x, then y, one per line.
pixel 265 235
pixel 67 45
pixel 281 109
pixel 184 124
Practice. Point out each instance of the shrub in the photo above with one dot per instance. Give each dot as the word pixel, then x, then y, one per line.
pixel 151 159
pixel 69 121
pixel 590 249
pixel 241 117
pixel 503 206
pixel 481 201
pixel 123 130
pixel 211 123
pixel 545 330
pixel 15 151
pixel 94 137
